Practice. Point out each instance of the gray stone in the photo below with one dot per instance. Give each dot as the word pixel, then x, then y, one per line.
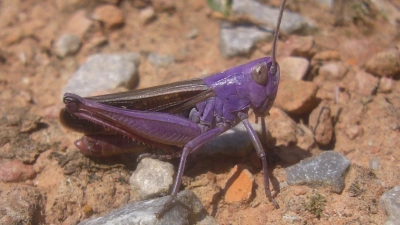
pixel 327 3
pixel 160 60
pixel 234 142
pixel 67 44
pixel 291 22
pixel 326 169
pixel 103 72
pixel 391 202
pixel 239 40
pixel 187 209
pixel 152 178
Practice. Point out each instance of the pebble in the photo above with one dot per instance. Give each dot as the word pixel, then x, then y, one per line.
pixel 332 71
pixel 234 142
pixel 390 201
pixel 79 24
pixel 302 46
pixel 327 169
pixel 294 67
pixel 290 218
pixel 291 22
pixel 374 163
pixel 389 11
pixel 103 72
pixel 296 96
pixel 110 15
pixel 67 44
pixel 160 60
pixel 367 83
pixel 188 211
pixel 16 171
pixel 152 178
pixel 353 131
pixel 282 128
pixel 20 204
pixel 239 40
pixel 192 34
pixel 299 190
pixel 328 55
pixel 320 122
pixel 14 36
pixel 386 85
pixel 385 63
pixel 239 185
pixel 147 15
pixel 164 5
pixel 140 3
pixel 327 3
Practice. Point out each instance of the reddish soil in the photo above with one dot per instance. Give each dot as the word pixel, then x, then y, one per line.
pixel 73 187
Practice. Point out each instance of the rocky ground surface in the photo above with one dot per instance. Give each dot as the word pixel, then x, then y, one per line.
pixel 333 133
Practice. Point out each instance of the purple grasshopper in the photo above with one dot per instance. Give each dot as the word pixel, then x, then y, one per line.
pixel 178 117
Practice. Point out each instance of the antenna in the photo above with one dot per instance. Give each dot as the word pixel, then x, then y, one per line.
pixel 276 34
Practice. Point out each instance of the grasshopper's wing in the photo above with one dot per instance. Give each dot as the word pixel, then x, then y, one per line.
pixel 170 98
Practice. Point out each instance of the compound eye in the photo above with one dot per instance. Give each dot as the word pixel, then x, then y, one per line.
pixel 260 74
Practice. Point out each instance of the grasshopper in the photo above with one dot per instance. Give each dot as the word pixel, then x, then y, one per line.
pixel 178 117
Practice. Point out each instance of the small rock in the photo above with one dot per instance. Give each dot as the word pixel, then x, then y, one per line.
pixel 239 40
pixel 79 24
pixel 386 85
pixel 302 46
pixel 299 190
pixel 239 185
pixel 14 36
pixel 16 171
pixel 374 163
pixel 296 96
pixel 321 123
pixel 193 33
pixel 140 3
pixel 282 128
pixel 332 71
pixel 164 5
pixel 367 84
pixel 96 40
pixel 103 72
pixel 294 67
pixel 389 11
pixel 353 131
pixel 384 64
pixel 110 15
pixel 189 210
pixel 291 22
pixel 390 201
pixel 159 60
pixel 19 204
pixel 328 169
pixel 152 178
pixel 326 56
pixel 234 142
pixel 147 15
pixel 67 44
pixel 290 218
pixel 328 3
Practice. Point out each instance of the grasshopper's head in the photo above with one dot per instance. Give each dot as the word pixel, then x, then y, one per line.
pixel 263 86
pixel 265 76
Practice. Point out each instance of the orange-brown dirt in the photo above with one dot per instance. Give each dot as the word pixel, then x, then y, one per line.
pixel 73 187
